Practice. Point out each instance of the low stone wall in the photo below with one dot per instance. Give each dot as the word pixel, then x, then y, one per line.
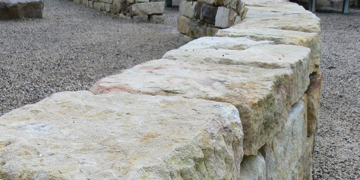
pixel 241 105
pixel 205 18
pixel 140 10
pixel 21 9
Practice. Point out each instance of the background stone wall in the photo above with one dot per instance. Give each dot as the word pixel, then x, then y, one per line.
pixel 241 105
pixel 140 10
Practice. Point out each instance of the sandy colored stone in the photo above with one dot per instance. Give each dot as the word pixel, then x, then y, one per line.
pixel 231 43
pixel 313 99
pixel 253 168
pixel 187 8
pixel 283 155
pixel 263 96
pixel 286 22
pixel 194 28
pixel 294 58
pixel 225 17
pixel 279 36
pixel 159 19
pixel 78 135
pixel 147 8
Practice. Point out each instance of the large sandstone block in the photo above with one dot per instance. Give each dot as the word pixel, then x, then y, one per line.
pixel 78 135
pixel 195 28
pixel 294 58
pixel 187 8
pixel 225 17
pixel 279 36
pixel 230 43
pixel 253 168
pixel 147 8
pixel 21 9
pixel 313 98
pixel 283 156
pixel 263 96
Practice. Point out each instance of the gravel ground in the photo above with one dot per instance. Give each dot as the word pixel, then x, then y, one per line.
pixel 337 149
pixel 74 46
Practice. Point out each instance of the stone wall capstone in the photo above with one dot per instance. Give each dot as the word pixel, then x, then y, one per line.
pixel 241 105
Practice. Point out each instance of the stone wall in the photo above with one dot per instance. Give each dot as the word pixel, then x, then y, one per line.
pixel 140 10
pixel 241 105
pixel 205 18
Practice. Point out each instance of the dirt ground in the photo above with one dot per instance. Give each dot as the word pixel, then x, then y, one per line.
pixel 74 46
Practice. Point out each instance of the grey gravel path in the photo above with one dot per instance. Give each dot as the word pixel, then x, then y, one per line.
pixel 73 47
pixel 337 149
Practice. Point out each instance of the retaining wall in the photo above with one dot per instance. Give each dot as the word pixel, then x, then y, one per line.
pixel 140 10
pixel 241 105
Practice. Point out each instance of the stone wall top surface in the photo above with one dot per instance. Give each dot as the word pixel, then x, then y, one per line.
pixel 78 135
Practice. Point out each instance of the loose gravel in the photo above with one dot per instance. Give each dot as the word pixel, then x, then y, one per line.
pixel 337 148
pixel 74 46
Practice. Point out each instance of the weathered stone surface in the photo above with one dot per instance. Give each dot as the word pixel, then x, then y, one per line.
pixel 107 7
pixel 91 4
pixel 187 8
pixel 240 43
pixel 253 168
pixel 147 8
pixel 284 153
pixel 313 102
pixel 206 13
pixel 286 22
pixel 194 28
pixel 141 18
pixel 97 6
pixel 21 9
pixel 157 19
pixel 225 17
pixel 279 36
pixel 263 96
pixel 85 2
pixel 294 58
pixel 116 7
pixel 78 135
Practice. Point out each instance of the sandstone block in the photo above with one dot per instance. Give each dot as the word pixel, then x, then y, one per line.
pixel 294 58
pixel 21 9
pixel 77 1
pixel 284 153
pixel 91 4
pixel 78 135
pixel 253 167
pixel 147 8
pixel 279 36
pixel 206 13
pixel 313 102
pixel 97 6
pixel 141 18
pixel 102 6
pixel 263 96
pixel 225 17
pixel 107 7
pixel 194 28
pixel 157 19
pixel 85 2
pixel 187 8
pixel 230 43
pixel 286 22
pixel 116 7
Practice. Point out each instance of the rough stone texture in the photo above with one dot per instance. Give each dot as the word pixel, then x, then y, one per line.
pixel 157 19
pixel 147 8
pixel 78 135
pixel 279 36
pixel 313 95
pixel 206 13
pixel 283 155
pixel 21 9
pixel 225 17
pixel 187 8
pixel 253 168
pixel 230 43
pixel 194 28
pixel 263 96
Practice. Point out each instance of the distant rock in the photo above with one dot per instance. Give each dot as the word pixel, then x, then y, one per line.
pixel 21 9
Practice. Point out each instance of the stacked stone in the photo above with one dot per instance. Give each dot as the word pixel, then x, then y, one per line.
pixel 205 17
pixel 242 105
pixel 21 9
pixel 140 10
